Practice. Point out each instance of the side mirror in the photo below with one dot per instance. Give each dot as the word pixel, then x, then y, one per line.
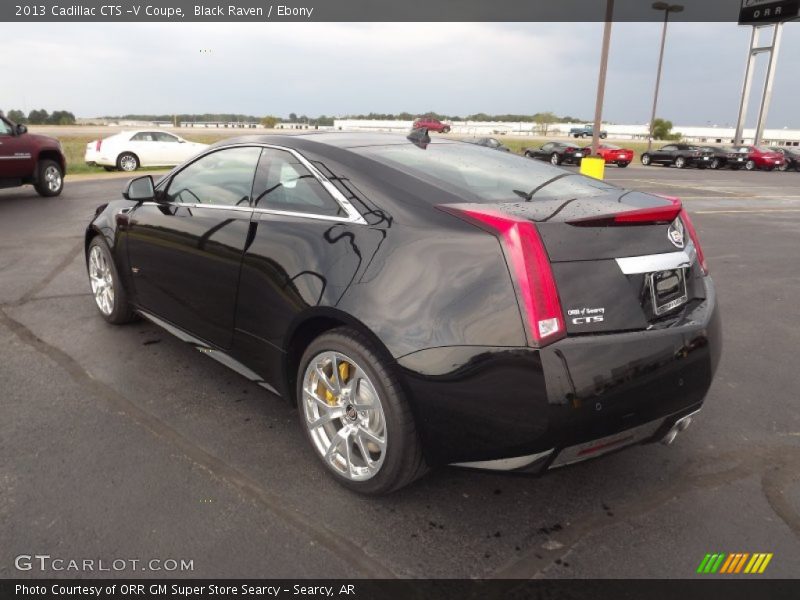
pixel 140 189
pixel 21 129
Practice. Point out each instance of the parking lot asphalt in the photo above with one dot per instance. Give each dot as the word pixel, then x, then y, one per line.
pixel 125 443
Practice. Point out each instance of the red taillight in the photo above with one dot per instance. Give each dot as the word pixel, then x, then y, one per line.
pixel 97 145
pixel 687 223
pixel 569 149
pixel 530 266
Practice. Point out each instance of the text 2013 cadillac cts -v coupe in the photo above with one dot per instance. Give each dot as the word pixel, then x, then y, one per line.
pixel 423 302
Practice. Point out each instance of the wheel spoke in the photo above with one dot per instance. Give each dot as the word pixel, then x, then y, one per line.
pixel 348 453
pixel 326 418
pixel 371 436
pixel 321 401
pixel 325 381
pixel 362 447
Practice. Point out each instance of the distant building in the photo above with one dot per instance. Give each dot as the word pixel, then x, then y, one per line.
pixel 705 135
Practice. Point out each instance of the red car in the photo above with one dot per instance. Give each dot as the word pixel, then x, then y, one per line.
pixel 759 157
pixel 621 157
pixel 431 124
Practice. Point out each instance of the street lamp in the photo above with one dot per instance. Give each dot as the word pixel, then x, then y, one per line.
pixel 667 8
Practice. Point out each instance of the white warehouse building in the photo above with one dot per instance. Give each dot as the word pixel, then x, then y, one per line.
pixel 707 134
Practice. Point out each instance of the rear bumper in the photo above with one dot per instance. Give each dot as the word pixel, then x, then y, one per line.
pixel 475 404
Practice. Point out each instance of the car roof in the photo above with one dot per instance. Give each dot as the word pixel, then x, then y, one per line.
pixel 324 138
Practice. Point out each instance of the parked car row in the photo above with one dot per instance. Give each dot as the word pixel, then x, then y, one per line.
pixel 568 153
pixel 746 157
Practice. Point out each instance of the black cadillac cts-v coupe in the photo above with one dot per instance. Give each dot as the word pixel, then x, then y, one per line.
pixel 422 302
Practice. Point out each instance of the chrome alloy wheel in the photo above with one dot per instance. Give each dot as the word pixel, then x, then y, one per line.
pixel 52 178
pixel 128 163
pixel 102 280
pixel 344 416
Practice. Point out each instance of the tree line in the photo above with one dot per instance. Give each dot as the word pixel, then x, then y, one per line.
pixel 42 117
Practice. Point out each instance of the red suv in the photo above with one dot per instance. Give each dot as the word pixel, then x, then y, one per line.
pixel 759 157
pixel 431 125
pixel 26 158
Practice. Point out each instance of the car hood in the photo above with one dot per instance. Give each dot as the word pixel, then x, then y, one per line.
pixel 42 140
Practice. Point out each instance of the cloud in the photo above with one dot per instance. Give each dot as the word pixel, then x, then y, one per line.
pixel 340 68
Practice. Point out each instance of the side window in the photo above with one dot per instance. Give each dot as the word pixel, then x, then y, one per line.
pixel 222 178
pixel 669 148
pixel 144 136
pixel 165 137
pixel 5 128
pixel 283 183
pixel 547 147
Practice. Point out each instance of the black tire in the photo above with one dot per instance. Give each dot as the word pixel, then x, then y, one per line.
pixel 715 163
pixel 646 160
pixel 403 461
pixel 121 312
pixel 680 162
pixel 528 154
pixel 445 130
pixel 783 167
pixel 49 178
pixel 603 136
pixel 622 165
pixel 127 161
pixel 555 159
pixel 750 165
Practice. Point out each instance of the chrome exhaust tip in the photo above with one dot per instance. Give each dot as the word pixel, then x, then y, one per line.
pixel 680 425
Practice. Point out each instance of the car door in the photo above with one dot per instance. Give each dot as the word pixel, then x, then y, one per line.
pixel 305 252
pixel 146 147
pixel 16 160
pixel 170 150
pixel 185 249
pixel 665 154
pixel 545 150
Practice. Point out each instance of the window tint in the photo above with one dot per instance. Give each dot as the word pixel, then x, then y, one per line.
pixel 486 176
pixel 547 147
pixel 5 128
pixel 144 136
pixel 669 148
pixel 283 183
pixel 165 137
pixel 223 178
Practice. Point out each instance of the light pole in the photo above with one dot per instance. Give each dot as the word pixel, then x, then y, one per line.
pixel 601 80
pixel 667 8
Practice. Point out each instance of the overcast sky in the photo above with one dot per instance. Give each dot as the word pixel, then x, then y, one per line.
pixel 337 69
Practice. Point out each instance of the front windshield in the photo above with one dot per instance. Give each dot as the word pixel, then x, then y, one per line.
pixel 488 176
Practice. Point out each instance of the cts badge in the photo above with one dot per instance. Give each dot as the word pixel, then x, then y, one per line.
pixel 675 233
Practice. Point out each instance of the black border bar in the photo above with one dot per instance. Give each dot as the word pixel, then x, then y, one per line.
pixel 142 11
pixel 729 588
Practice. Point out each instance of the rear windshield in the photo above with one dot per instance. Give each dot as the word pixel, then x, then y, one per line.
pixel 487 175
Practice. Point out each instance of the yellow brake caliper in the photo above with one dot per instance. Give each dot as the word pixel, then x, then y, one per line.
pixel 322 390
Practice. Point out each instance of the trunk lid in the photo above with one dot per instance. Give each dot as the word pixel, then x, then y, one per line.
pixel 621 262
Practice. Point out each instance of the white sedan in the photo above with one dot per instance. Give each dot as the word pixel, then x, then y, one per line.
pixel 129 150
